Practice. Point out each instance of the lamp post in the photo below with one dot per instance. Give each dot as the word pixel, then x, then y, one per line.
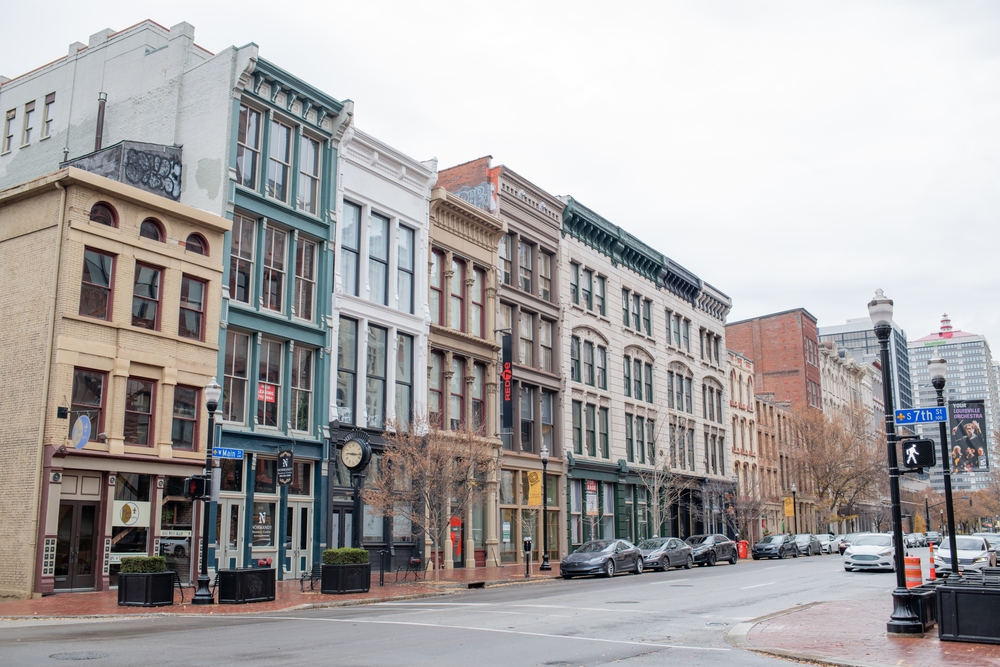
pixel 204 595
pixel 902 621
pixel 927 515
pixel 938 367
pixel 795 509
pixel 544 455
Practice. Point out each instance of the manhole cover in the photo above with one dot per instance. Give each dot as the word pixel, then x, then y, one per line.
pixel 622 602
pixel 716 624
pixel 78 655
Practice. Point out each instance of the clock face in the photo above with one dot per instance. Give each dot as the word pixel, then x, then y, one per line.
pixel 351 454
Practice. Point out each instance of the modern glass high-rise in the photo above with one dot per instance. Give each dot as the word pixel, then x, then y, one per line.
pixel 858 336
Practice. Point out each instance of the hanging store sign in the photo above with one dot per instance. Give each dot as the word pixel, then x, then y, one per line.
pixel 286 464
pixel 506 384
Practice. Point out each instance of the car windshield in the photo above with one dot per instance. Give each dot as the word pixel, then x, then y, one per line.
pixel 967 544
pixel 699 539
pixel 773 539
pixel 596 546
pixel 654 543
pixel 873 541
pixel 803 536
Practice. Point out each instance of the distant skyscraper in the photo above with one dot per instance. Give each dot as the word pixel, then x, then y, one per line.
pixel 858 336
pixel 971 375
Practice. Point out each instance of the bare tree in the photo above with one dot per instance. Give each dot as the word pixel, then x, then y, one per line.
pixel 746 505
pixel 427 476
pixel 664 487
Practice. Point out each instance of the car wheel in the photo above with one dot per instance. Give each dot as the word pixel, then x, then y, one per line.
pixel 638 566
pixel 796 554
pixel 710 559
pixel 848 569
pixel 734 557
pixel 781 554
pixel 567 576
pixel 689 562
pixel 609 568
pixel 756 557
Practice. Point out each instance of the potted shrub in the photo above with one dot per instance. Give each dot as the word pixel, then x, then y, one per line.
pixel 346 571
pixel 144 581
pixel 248 584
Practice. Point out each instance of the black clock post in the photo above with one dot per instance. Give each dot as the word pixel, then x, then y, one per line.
pixel 355 454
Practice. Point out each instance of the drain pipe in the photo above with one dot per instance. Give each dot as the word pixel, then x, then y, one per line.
pixel 102 99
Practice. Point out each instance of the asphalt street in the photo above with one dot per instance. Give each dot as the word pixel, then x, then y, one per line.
pixel 652 619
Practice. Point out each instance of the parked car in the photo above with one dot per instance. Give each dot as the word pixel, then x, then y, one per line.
pixel 775 546
pixel 912 540
pixel 808 544
pixel 710 549
pixel 933 536
pixel 846 541
pixel 605 557
pixel 921 539
pixel 826 543
pixel 870 551
pixel 974 553
pixel 663 553
pixel 170 546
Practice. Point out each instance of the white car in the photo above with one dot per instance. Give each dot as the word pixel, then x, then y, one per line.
pixel 826 542
pixel 871 551
pixel 974 553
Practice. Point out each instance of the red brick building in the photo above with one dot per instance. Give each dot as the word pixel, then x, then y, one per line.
pixel 785 350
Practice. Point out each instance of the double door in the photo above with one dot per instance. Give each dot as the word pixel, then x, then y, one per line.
pixel 298 539
pixel 341 527
pixel 229 533
pixel 75 545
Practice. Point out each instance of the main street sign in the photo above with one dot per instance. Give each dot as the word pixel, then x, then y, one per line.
pixel 922 416
pixel 226 453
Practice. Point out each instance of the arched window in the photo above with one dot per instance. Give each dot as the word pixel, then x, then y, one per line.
pixel 741 389
pixel 104 214
pixel 151 229
pixel 196 243
pixel 732 387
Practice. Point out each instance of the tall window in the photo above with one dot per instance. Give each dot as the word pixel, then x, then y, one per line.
pixel 191 318
pixel 29 123
pixel 545 342
pixel 456 391
pixel 8 131
pixel 602 367
pixel 527 419
pixel 350 236
pixel 506 258
pixel 651 440
pixel 524 264
pixel 241 258
pixel 378 259
pixel 96 287
pixel 587 289
pixel 302 376
pixel 404 269
pixel 574 282
pixel 347 369
pixel 574 359
pixel 527 339
pixel 640 439
pixel 603 426
pixel 248 147
pixel 548 427
pixel 375 381
pixel 545 276
pixel 670 389
pixel 677 330
pixel 138 429
pixel 688 398
pixel 686 335
pixel 637 377
pixel 435 383
pixel 305 279
pixel 269 383
pixel 647 314
pixel 477 307
pixel 88 399
pixel 279 161
pixel 626 320
pixel 146 297
pixel 629 442
pixel 184 429
pixel 504 323
pixel 627 368
pixel 577 427
pixel 234 391
pixel 649 382
pixel 404 381
pixel 588 362
pixel 479 399
pixel 591 426
pixel 635 311
pixel 437 288
pixel 274 268
pixel 48 114
pixel 599 288
pixel 308 196
pixel 457 300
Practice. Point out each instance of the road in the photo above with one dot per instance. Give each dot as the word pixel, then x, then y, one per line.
pixel 652 619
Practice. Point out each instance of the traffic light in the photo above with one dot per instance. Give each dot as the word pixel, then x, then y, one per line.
pixel 918 454
pixel 196 487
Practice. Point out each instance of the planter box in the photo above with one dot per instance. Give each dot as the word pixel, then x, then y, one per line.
pixel 250 584
pixel 347 578
pixel 968 613
pixel 146 589
pixel 925 605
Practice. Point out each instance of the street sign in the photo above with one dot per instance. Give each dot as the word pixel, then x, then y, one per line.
pixel 226 453
pixel 922 416
pixel 918 454
pixel 81 431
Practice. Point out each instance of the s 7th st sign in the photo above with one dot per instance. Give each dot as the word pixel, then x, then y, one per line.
pixel 921 416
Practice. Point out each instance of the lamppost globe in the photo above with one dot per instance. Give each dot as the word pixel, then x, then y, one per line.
pixel 213 392
pixel 793 487
pixel 937 368
pixel 544 454
pixel 880 309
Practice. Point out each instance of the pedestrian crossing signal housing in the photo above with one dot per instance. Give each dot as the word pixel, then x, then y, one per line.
pixel 918 454
pixel 196 487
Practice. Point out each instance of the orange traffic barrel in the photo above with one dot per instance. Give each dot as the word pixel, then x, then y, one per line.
pixel 933 574
pixel 914 577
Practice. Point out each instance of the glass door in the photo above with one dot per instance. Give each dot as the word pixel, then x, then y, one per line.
pixel 298 539
pixel 75 546
pixel 229 534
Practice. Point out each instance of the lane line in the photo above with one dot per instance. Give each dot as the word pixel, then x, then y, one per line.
pixel 668 581
pixel 496 630
pixel 745 588
pixel 512 606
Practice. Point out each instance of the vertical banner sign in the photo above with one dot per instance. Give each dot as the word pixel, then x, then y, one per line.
pixel 286 463
pixel 970 451
pixel 789 507
pixel 534 488
pixel 591 497
pixel 506 385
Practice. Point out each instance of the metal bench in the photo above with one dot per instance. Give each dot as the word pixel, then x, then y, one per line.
pixel 412 565
pixel 312 577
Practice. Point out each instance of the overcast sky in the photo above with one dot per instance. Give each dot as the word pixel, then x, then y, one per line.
pixel 790 153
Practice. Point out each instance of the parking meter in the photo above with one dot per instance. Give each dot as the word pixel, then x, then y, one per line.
pixel 527 556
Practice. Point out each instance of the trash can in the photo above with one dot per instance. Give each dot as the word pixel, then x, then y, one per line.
pixel 742 547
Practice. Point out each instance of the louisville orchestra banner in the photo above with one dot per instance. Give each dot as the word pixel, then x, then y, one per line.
pixel 970 451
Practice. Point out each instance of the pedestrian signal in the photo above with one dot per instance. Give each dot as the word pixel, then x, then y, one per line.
pixel 918 454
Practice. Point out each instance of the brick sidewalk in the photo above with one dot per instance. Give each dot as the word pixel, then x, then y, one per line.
pixel 287 596
pixel 853 632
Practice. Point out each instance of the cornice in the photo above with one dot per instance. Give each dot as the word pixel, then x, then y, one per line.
pixel 454 215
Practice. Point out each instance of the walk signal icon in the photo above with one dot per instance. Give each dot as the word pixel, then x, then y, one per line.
pixel 918 454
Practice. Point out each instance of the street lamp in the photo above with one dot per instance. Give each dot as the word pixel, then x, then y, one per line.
pixel 204 595
pixel 795 508
pixel 938 368
pixel 902 621
pixel 544 455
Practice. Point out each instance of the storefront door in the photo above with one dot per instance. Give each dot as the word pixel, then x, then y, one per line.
pixel 229 533
pixel 298 539
pixel 341 527
pixel 75 551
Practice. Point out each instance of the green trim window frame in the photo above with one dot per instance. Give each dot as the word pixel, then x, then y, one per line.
pixel 574 282
pixel 305 279
pixel 599 295
pixel 248 147
pixel 629 442
pixel 603 428
pixel 627 367
pixel 275 249
pixel 588 363
pixel 591 425
pixel 241 258
pixel 601 362
pixel 309 171
pixel 302 386
pixel 279 161
pixel 574 359
pixel 577 427
pixel 236 377
pixel 587 289
pixel 269 380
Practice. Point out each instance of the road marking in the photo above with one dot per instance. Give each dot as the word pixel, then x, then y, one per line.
pixel 744 588
pixel 773 567
pixel 495 630
pixel 514 606
pixel 668 581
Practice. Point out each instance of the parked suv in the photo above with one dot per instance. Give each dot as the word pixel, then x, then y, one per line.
pixel 775 546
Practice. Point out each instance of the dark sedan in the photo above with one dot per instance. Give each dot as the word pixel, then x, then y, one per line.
pixel 663 553
pixel 775 546
pixel 604 557
pixel 809 544
pixel 710 549
pixel 846 541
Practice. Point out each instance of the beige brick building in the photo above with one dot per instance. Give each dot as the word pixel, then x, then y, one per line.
pixel 110 311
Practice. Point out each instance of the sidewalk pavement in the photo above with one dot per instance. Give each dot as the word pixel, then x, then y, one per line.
pixel 287 595
pixel 852 632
